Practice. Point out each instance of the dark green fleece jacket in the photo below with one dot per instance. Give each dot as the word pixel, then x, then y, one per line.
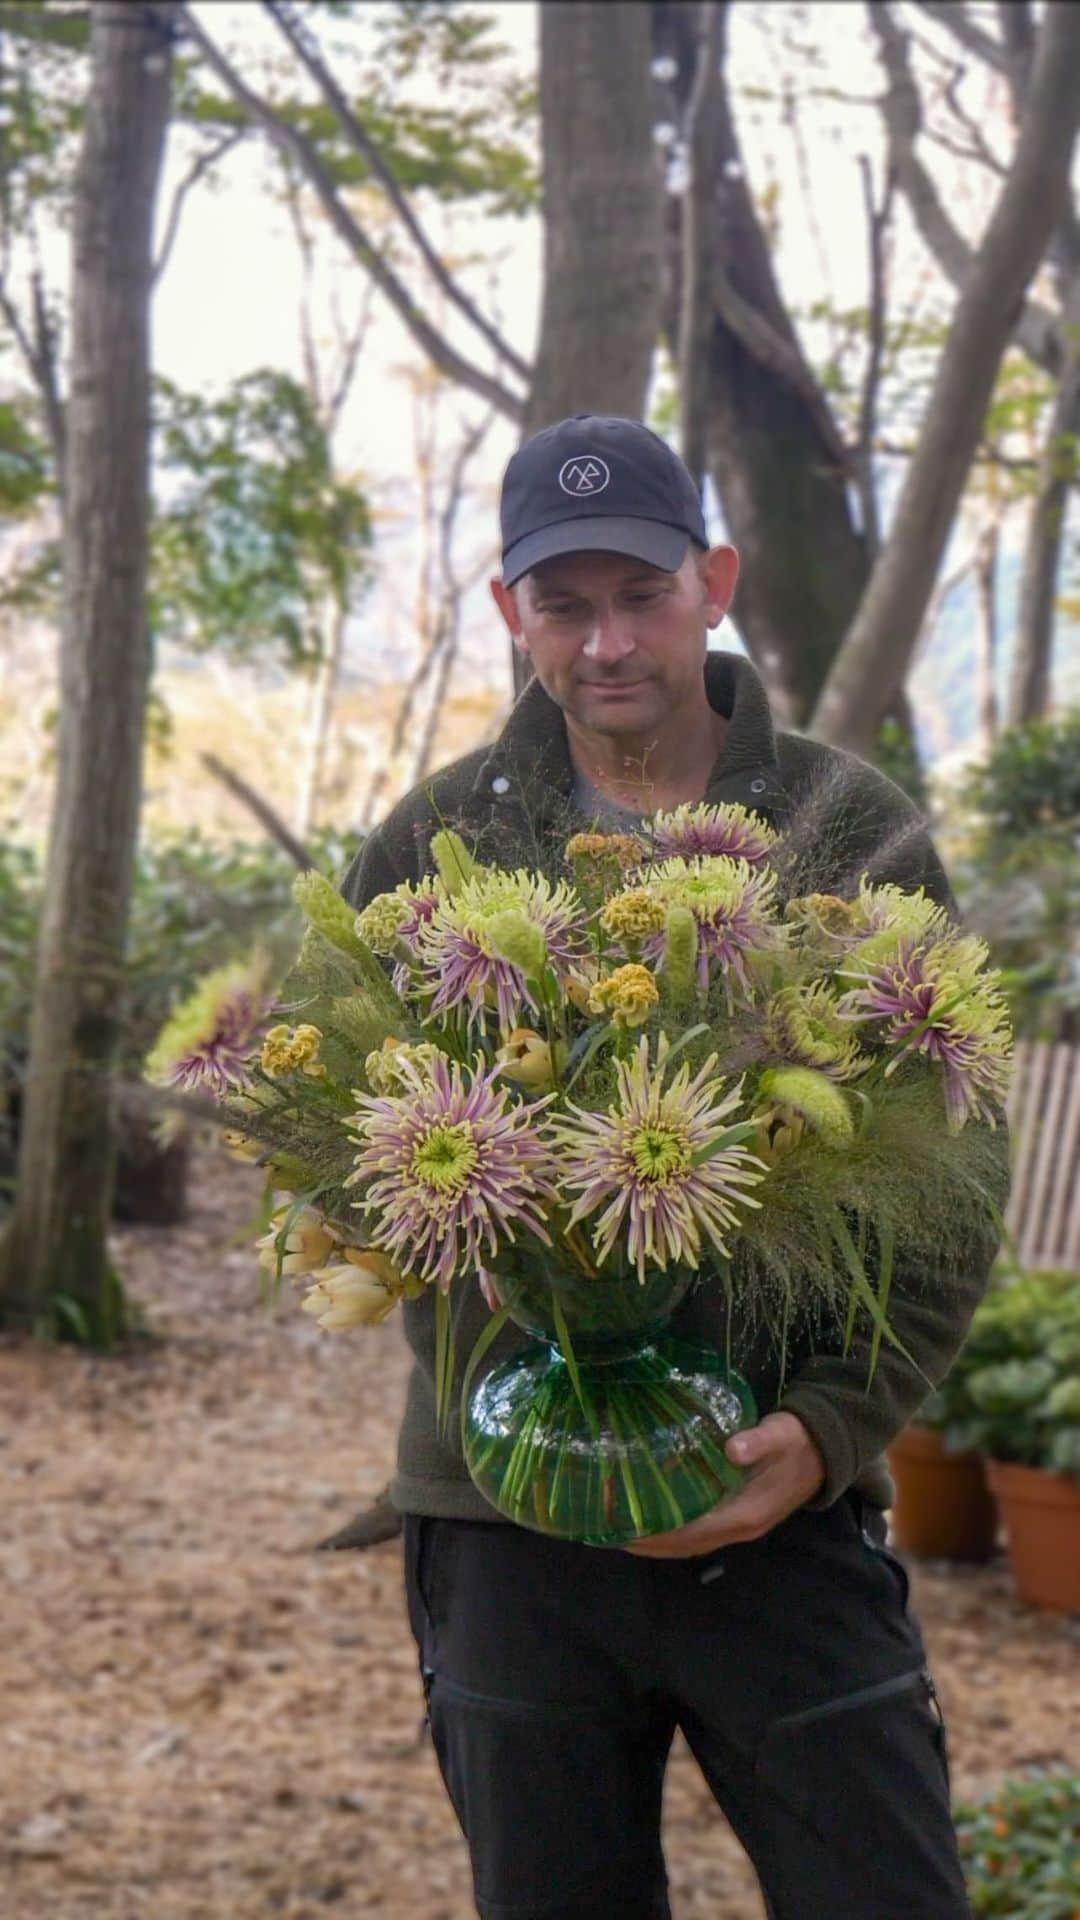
pixel 513 804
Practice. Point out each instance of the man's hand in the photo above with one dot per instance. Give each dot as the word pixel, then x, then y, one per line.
pixel 786 1470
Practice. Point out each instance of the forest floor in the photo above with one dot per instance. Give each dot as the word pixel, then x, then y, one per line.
pixel 205 1719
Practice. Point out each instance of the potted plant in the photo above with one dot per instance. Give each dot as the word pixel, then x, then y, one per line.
pixel 1024 1398
pixel 943 1508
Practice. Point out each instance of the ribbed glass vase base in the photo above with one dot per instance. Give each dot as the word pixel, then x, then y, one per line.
pixel 639 1452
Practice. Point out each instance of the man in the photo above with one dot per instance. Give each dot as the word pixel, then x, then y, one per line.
pixel 773 1631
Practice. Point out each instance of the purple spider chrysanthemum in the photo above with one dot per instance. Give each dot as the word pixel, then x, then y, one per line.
pixel 657 1164
pixel 208 1041
pixel 939 1001
pixel 733 906
pixel 452 1169
pixel 460 945
pixel 730 829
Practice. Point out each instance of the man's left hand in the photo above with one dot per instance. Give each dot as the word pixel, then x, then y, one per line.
pixel 786 1470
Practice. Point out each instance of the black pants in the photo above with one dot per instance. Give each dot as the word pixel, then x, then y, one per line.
pixel 557 1674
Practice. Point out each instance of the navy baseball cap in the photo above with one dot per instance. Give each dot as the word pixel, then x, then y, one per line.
pixel 597 482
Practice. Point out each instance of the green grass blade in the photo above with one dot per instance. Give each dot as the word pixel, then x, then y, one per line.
pixel 491 1332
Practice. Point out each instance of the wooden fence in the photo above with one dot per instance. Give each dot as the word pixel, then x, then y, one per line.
pixel 1043 1214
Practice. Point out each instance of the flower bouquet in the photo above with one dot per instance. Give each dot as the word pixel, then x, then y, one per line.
pixel 589 1092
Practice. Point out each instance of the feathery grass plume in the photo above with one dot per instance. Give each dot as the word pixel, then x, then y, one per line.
pixel 514 937
pixel 893 1184
pixel 940 1002
pixel 454 862
pixel 678 969
pixel 665 1163
pixel 459 956
pixel 451 1170
pixel 207 1042
pixel 333 919
pixel 326 909
pixel 729 829
pixel 813 1097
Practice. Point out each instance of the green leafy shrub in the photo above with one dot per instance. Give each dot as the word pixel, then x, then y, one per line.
pixel 1021 1849
pixel 1014 1389
pixel 1019 876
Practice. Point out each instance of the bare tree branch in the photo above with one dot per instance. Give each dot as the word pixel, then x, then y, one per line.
pixel 266 815
pixel 303 43
pixel 1059 466
pixel 696 315
pixel 980 148
pixel 774 352
pixel 953 15
pixel 199 166
pixel 875 654
pixel 46 359
pixel 986 572
pixel 985 455
pixel 290 140
pixel 1036 330
pixel 877 222
pixel 443 632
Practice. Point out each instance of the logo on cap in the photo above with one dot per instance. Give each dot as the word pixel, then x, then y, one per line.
pixel 585 473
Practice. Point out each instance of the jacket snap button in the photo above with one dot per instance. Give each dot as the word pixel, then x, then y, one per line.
pixel 501 784
pixel 757 786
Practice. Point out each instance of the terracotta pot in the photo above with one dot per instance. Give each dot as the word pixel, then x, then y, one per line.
pixel 943 1509
pixel 1041 1512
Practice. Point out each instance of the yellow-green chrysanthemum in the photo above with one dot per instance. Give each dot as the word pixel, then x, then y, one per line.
pixel 660 1162
pixel 802 1025
pixel 462 946
pixel 940 1001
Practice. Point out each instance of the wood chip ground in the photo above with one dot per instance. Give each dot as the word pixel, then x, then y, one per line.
pixel 203 1719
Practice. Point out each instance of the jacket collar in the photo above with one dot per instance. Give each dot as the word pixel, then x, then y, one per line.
pixel 531 759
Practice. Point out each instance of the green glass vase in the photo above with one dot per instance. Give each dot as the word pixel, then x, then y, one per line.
pixel 618 1437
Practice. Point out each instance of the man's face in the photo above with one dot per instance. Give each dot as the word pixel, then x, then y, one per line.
pixel 617 644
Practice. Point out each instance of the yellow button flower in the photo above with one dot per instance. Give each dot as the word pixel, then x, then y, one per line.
pixel 286 1049
pixel 632 915
pixel 629 995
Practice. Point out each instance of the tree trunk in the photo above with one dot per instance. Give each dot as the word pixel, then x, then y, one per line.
pixel 1029 688
pixel 772 448
pixel 600 312
pixel 54 1256
pixel 600 308
pixel 875 655
pixel 986 567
